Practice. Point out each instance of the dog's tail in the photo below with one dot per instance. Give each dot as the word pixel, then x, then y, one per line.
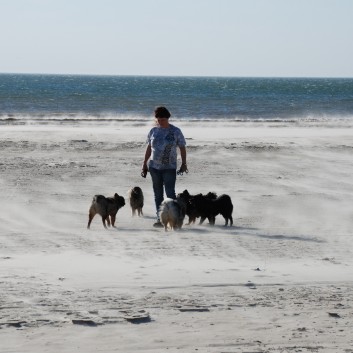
pixel 97 198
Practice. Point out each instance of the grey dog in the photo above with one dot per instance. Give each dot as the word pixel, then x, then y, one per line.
pixel 136 200
pixel 172 213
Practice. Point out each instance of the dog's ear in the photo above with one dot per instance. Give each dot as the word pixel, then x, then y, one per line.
pixel 116 196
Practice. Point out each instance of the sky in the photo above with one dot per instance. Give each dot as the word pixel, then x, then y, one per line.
pixel 237 38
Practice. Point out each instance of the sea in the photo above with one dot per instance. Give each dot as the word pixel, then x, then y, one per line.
pixel 78 98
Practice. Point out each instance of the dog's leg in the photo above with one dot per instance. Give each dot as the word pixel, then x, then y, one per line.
pixel 231 221
pixel 90 217
pixel 164 221
pixel 228 217
pixel 133 212
pixel 192 220
pixel 103 220
pixel 180 224
pixel 113 217
pixel 176 226
pixel 202 219
pixel 211 220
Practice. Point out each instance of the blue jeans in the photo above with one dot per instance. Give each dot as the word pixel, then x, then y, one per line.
pixel 163 178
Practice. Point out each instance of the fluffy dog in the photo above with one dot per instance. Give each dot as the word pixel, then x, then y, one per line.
pixel 191 211
pixel 210 208
pixel 172 213
pixel 106 207
pixel 136 200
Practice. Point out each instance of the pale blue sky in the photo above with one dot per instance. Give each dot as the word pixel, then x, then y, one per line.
pixel 292 38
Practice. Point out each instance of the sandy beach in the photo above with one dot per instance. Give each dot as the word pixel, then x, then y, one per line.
pixel 279 280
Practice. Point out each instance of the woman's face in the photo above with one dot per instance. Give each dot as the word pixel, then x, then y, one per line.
pixel 163 122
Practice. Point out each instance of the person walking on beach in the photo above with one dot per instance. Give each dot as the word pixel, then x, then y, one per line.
pixel 161 157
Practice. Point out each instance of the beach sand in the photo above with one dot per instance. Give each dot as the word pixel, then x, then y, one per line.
pixel 279 280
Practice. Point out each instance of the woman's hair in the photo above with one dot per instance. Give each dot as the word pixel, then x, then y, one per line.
pixel 161 112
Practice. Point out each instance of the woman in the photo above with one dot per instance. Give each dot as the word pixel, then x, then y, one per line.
pixel 163 141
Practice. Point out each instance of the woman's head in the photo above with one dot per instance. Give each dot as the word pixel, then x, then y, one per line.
pixel 161 112
pixel 162 116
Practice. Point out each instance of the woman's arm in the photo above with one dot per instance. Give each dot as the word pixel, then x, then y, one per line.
pixel 144 164
pixel 183 167
pixel 147 154
pixel 183 154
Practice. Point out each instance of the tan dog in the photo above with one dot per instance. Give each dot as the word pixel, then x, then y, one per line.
pixel 106 207
pixel 172 213
pixel 136 200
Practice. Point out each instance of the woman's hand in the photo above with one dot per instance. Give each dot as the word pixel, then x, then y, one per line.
pixel 183 169
pixel 144 170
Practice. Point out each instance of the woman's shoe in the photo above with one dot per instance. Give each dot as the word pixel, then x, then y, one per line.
pixel 158 224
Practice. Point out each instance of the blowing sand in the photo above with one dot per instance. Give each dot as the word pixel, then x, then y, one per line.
pixel 279 280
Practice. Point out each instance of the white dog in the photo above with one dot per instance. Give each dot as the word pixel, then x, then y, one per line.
pixel 172 213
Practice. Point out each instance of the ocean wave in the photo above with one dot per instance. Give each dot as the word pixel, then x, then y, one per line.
pixel 85 118
pixel 65 118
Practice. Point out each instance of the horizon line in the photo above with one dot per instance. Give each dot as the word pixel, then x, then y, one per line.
pixel 166 76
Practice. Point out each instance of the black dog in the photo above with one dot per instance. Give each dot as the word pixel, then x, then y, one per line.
pixel 210 208
pixel 191 211
pixel 105 207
